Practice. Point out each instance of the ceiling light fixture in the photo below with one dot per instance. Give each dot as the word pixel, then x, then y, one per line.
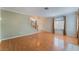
pixel 46 8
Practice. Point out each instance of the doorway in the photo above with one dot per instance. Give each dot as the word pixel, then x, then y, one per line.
pixel 59 25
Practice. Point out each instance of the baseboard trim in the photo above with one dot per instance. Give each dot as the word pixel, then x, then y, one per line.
pixel 19 36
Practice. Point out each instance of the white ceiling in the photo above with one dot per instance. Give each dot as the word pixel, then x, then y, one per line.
pixel 40 11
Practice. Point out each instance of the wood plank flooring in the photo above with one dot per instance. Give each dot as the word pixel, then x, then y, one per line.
pixel 43 41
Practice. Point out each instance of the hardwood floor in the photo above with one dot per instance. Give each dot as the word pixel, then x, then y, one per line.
pixel 43 41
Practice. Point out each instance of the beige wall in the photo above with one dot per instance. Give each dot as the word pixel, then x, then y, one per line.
pixel 49 25
pixel 44 24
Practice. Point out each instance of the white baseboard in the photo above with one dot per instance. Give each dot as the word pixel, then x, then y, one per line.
pixel 19 36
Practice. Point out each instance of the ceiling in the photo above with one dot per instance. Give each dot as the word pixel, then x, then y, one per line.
pixel 40 11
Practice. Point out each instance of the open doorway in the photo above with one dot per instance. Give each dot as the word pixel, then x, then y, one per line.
pixel 60 25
